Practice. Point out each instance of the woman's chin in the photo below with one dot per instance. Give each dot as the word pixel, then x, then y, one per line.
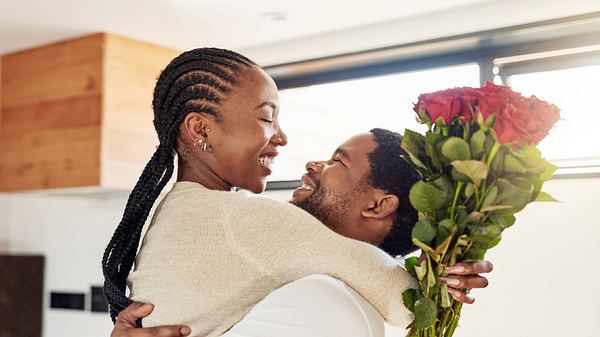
pixel 258 187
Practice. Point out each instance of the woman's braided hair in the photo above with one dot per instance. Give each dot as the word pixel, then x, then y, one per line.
pixel 198 80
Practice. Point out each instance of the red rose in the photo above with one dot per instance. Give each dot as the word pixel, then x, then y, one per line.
pixel 492 98
pixel 447 104
pixel 525 121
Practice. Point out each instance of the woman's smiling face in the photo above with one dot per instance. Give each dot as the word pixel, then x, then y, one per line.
pixel 245 138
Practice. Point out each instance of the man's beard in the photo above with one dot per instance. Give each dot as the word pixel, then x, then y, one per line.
pixel 327 206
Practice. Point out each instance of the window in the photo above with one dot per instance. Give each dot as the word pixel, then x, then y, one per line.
pixel 557 60
pixel 318 118
pixel 573 143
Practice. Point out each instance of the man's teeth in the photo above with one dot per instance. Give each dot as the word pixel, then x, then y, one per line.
pixel 306 187
pixel 266 160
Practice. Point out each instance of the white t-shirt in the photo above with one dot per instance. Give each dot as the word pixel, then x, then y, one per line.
pixel 313 306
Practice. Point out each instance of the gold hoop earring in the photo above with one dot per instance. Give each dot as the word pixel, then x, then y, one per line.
pixel 201 142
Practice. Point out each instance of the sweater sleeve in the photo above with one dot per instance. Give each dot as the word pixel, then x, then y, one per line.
pixel 288 243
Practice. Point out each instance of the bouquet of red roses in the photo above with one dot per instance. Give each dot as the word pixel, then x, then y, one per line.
pixel 479 166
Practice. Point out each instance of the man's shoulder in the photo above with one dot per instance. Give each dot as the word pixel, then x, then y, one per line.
pixel 316 305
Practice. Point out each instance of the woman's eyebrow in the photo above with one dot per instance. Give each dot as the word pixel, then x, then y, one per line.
pixel 269 104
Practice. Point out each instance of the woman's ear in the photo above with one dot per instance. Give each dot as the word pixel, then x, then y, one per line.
pixel 196 125
pixel 381 207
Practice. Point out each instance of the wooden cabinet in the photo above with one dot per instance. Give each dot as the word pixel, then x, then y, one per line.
pixel 78 113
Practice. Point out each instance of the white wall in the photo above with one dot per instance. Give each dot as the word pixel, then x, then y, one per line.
pixel 545 281
pixel 71 232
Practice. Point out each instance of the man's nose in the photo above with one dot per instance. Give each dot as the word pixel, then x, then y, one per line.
pixel 314 166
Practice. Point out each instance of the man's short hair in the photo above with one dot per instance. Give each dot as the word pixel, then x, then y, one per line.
pixel 389 171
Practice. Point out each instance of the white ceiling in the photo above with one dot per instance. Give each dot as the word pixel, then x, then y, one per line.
pixel 186 24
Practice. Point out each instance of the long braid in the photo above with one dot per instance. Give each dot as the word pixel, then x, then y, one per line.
pixel 196 81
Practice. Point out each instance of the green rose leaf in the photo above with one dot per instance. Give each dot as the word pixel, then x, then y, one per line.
pixel 409 265
pixel 423 116
pixel 475 253
pixel 530 159
pixel 489 198
pixel 513 164
pixel 537 183
pixel 474 169
pixel 443 246
pixel 484 234
pixel 423 231
pixel 474 216
pixel 460 177
pixel 495 208
pixel 413 143
pixel 431 278
pixel 446 302
pixel 431 151
pixel 444 231
pixel 425 197
pixel 503 221
pixel 548 171
pixel 430 251
pixel 456 149
pixel 477 142
pixel 543 196
pixel 409 297
pixel 516 192
pixel 421 270
pixel 425 313
pixel 469 189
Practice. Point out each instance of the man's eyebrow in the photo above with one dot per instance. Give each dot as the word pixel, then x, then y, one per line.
pixel 343 152
pixel 269 104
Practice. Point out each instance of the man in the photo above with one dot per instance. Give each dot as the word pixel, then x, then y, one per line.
pixel 361 192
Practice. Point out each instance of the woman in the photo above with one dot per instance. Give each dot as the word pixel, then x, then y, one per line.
pixel 210 254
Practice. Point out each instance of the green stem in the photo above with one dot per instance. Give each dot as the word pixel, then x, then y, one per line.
pixel 456 193
pixel 495 149
pixel 454 323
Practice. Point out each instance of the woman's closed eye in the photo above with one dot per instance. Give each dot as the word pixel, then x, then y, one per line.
pixel 267 121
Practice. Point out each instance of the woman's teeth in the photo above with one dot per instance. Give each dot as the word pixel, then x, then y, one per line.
pixel 266 160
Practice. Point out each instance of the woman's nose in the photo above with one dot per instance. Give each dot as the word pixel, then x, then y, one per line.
pixel 281 137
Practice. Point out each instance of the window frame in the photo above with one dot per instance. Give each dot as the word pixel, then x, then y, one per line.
pixel 484 48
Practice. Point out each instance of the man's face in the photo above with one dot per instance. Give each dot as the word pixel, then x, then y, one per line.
pixel 334 190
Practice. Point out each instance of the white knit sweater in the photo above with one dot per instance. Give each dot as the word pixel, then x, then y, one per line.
pixel 209 256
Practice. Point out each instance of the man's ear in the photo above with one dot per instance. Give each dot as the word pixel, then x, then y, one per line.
pixel 381 207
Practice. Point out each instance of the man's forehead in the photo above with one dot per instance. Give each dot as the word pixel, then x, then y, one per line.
pixel 360 144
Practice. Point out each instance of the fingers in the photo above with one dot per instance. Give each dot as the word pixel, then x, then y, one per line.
pixel 470 268
pixel 162 331
pixel 461 296
pixel 468 282
pixel 133 312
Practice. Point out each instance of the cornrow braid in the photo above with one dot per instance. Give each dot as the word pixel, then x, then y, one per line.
pixel 198 80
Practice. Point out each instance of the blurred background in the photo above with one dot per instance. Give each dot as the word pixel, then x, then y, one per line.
pixel 76 131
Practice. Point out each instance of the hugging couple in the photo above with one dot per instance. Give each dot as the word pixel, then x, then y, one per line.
pixel 217 260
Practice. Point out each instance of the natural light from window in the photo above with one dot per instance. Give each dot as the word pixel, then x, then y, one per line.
pixel 320 117
pixel 573 141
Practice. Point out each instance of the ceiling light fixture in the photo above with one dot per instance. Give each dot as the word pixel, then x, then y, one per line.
pixel 274 16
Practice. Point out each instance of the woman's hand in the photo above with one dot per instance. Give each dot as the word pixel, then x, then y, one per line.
pixel 125 324
pixel 465 275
